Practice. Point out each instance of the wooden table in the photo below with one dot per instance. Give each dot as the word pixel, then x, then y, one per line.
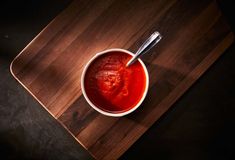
pixel 194 36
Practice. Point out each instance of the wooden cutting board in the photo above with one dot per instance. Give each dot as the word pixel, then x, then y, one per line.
pixel 194 36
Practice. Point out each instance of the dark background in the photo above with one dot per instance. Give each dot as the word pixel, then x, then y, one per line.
pixel 200 125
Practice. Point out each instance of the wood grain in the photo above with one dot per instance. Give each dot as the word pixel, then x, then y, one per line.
pixel 194 36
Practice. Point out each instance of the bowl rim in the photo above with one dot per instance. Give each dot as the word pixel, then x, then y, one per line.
pixel 113 114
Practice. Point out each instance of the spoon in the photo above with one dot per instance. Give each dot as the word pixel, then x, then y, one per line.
pixel 145 47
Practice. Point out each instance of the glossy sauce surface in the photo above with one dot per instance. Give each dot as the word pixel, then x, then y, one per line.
pixel 112 86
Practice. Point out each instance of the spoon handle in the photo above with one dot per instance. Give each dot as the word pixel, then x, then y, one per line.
pixel 145 47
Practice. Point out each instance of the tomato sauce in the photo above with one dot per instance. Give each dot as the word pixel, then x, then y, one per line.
pixel 112 86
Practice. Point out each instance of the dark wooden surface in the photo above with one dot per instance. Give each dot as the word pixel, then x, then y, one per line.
pixel 195 35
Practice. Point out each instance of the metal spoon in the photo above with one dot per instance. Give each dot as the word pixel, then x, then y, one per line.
pixel 145 47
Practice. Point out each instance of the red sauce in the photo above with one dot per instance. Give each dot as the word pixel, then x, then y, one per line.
pixel 113 87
